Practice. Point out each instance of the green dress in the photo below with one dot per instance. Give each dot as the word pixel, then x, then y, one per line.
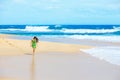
pixel 34 43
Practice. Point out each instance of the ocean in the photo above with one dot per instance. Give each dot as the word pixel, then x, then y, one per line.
pixel 109 33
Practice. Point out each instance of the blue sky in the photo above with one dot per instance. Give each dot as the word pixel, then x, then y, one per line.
pixel 59 11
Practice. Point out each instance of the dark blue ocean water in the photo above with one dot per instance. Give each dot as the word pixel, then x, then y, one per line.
pixel 61 26
pixel 71 31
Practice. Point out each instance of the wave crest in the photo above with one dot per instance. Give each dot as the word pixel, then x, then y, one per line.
pixel 37 28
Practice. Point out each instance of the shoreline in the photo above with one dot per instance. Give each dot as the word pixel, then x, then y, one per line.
pixel 63 40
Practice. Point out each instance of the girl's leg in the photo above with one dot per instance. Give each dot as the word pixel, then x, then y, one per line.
pixel 33 51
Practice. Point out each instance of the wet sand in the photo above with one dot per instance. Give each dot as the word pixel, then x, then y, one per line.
pixel 57 66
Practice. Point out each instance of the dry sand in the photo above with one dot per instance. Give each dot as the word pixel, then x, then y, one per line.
pixel 52 61
pixel 20 47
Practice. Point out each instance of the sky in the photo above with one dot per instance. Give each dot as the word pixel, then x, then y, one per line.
pixel 59 11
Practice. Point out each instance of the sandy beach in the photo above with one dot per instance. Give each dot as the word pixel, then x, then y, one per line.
pixel 20 47
pixel 52 61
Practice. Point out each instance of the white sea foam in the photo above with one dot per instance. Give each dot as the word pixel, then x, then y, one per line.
pixel 97 37
pixel 109 54
pixel 37 28
pixel 89 30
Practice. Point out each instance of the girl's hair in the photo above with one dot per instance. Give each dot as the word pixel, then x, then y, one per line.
pixel 36 38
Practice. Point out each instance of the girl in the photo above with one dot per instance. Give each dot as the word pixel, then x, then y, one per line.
pixel 34 42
